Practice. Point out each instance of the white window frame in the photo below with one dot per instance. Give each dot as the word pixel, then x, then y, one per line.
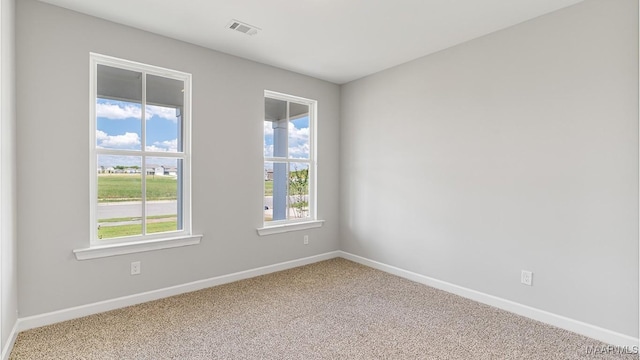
pixel 117 246
pixel 279 226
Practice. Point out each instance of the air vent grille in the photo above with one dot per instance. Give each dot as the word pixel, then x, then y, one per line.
pixel 243 27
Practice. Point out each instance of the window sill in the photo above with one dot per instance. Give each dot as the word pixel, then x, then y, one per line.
pixel 96 252
pixel 282 228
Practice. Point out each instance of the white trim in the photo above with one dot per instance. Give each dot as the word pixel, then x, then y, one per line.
pixel 638 54
pixel 290 226
pixel 95 252
pixel 286 97
pixel 35 321
pixel 138 66
pixel 592 331
pixel 2 200
pixel 93 157
pixel 11 340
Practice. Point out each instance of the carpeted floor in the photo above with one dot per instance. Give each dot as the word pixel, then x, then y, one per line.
pixel 334 309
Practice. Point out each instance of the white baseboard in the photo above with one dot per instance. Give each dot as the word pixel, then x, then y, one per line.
pixel 6 350
pixel 592 331
pixel 35 321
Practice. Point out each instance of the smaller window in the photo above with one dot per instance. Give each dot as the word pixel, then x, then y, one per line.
pixel 289 159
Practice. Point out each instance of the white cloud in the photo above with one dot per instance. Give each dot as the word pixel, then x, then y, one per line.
pixel 299 134
pixel 298 142
pixel 117 112
pixel 126 141
pixel 101 135
pixel 268 150
pixel 268 128
pixel 300 151
pixel 161 112
pixel 120 111
pixel 164 146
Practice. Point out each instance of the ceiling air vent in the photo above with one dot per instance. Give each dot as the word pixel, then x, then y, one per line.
pixel 243 27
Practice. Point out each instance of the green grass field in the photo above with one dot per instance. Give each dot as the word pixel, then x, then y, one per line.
pixel 268 187
pixel 128 187
pixel 108 232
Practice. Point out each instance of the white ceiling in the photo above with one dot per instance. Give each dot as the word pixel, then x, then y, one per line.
pixel 334 40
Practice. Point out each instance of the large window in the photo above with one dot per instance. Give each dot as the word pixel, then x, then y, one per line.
pixel 289 159
pixel 140 152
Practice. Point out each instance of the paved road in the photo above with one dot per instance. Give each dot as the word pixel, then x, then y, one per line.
pixel 134 208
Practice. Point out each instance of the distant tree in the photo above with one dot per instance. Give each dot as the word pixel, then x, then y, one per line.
pixel 299 190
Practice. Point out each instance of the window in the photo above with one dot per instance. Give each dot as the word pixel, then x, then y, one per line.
pixel 140 152
pixel 289 160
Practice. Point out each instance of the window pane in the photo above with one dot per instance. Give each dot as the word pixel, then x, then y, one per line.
pixel 163 194
pixel 298 191
pixel 275 128
pixel 164 129
pixel 119 210
pixel 268 191
pixel 268 139
pixel 118 109
pixel 119 84
pixel 163 114
pixel 298 130
pixel 119 125
pixel 275 191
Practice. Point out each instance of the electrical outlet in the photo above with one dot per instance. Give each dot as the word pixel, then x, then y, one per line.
pixel 135 268
pixel 526 277
pixel 306 239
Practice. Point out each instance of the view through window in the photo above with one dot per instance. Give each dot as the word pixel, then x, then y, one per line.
pixel 141 158
pixel 289 159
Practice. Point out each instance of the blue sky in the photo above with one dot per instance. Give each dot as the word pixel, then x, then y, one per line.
pixel 119 126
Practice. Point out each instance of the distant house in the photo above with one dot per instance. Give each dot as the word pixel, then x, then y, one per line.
pixel 268 174
pixel 162 170
pixel 172 171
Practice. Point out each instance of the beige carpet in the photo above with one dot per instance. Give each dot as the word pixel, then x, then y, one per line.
pixel 334 309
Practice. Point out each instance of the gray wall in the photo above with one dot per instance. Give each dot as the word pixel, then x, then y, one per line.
pixel 8 235
pixel 53 48
pixel 517 150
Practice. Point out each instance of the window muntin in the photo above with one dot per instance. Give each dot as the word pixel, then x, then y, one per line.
pixel 140 151
pixel 289 159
